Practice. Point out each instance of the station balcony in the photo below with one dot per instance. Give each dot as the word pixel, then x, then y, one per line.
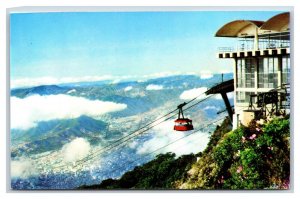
pixel 270 44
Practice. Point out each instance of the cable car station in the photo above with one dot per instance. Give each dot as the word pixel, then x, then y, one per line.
pixel 261 68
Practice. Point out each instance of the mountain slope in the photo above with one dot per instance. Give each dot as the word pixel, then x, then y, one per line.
pixel 256 157
pixel 160 173
pixel 52 135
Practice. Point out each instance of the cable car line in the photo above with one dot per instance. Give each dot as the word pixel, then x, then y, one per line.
pixel 109 147
pixel 146 124
pixel 139 133
pixel 118 144
pixel 120 139
pixel 195 98
pixel 152 152
pixel 123 141
pixel 102 150
pixel 106 148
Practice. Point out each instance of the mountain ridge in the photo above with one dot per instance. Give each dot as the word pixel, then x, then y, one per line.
pixel 52 135
pixel 230 161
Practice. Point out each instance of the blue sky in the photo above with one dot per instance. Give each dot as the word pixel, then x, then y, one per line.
pixel 119 43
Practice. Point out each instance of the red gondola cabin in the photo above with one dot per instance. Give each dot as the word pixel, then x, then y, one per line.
pixel 182 124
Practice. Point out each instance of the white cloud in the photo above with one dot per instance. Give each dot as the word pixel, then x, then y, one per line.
pixel 154 87
pixel 115 81
pixel 22 168
pixel 164 134
pixel 211 107
pixel 166 74
pixel 77 149
pixel 27 112
pixel 161 74
pixel 71 91
pixel 128 88
pixel 192 93
pixel 229 95
pixel 133 144
pixel 29 82
pixel 206 74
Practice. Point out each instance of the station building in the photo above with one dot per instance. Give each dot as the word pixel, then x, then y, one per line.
pixel 261 65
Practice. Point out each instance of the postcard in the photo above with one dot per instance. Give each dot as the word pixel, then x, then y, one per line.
pixel 150 100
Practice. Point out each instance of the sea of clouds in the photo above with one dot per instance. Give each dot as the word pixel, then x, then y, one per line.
pixel 27 112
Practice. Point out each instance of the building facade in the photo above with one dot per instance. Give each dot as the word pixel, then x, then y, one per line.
pixel 261 66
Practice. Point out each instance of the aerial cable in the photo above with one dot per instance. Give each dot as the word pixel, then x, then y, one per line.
pixel 109 147
pixel 112 146
pixel 134 132
pixel 130 133
pixel 152 152
pixel 120 139
pixel 139 133
pixel 198 102
pixel 118 144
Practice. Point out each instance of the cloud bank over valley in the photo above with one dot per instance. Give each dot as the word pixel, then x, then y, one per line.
pixel 27 112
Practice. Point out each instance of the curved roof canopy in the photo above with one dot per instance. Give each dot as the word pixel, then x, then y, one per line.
pixel 239 28
pixel 279 23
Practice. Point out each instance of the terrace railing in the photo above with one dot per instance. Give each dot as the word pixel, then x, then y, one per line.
pixel 267 41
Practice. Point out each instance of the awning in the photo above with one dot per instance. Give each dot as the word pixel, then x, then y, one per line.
pixel 279 23
pixel 239 28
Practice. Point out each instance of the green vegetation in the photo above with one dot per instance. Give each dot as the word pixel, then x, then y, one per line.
pixel 254 157
pixel 160 173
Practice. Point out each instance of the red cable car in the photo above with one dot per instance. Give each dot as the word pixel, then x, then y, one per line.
pixel 182 124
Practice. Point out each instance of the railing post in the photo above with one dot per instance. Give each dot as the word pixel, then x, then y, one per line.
pixel 256 39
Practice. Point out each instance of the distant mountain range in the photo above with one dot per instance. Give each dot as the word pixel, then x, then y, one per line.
pixel 40 90
pixel 104 88
pixel 144 104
